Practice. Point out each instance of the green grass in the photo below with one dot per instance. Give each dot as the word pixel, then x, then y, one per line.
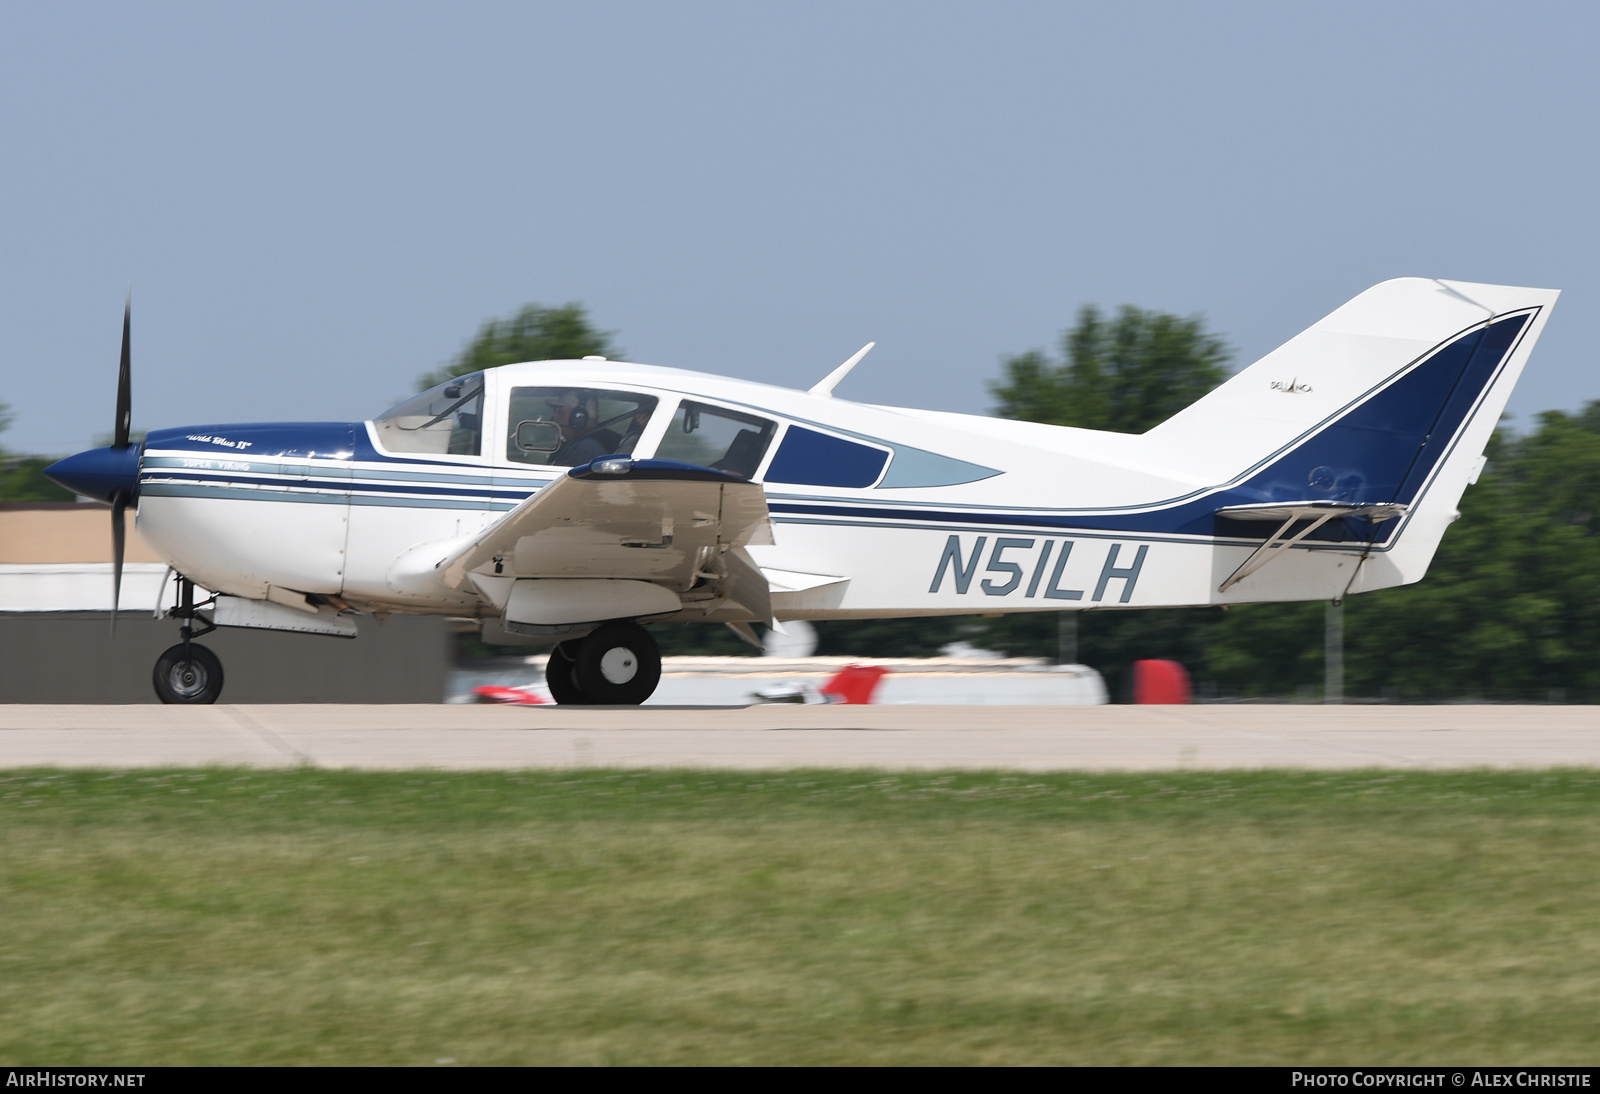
pixel 228 916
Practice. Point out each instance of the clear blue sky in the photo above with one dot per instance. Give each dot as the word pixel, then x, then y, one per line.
pixel 316 203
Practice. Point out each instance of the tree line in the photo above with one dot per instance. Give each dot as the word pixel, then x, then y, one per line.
pixel 22 477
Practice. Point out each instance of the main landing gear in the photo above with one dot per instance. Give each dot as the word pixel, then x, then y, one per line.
pixel 188 672
pixel 617 664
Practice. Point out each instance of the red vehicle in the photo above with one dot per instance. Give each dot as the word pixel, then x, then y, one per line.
pixel 526 695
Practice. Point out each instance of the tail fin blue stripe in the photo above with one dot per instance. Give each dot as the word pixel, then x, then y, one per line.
pixel 1384 449
pixel 1493 346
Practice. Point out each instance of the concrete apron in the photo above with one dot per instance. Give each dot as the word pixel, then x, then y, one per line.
pixel 788 736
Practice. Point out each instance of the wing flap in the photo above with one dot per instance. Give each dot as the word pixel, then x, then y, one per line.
pixel 744 586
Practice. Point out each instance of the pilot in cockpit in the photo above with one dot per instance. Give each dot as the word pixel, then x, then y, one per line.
pixel 568 427
pixel 583 435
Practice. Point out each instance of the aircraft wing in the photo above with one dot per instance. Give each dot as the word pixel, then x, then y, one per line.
pixel 680 527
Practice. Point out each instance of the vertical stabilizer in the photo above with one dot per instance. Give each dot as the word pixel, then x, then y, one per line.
pixel 1389 401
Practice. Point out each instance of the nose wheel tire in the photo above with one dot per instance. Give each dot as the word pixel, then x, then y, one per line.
pixel 195 678
pixel 618 664
pixel 559 674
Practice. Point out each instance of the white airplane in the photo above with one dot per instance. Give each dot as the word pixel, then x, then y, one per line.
pixel 578 500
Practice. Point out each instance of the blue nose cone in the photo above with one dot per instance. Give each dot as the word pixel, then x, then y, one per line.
pixel 100 473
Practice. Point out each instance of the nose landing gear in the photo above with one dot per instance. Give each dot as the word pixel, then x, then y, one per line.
pixel 618 664
pixel 188 672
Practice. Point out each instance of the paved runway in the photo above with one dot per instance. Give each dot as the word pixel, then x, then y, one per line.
pixel 1018 738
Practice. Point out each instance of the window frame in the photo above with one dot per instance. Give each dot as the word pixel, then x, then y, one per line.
pixel 492 410
pixel 813 427
pixel 503 414
pixel 733 410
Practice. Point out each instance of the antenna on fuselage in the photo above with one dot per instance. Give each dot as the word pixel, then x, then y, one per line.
pixel 829 382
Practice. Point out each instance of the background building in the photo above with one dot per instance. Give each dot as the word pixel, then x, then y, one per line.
pixel 56 644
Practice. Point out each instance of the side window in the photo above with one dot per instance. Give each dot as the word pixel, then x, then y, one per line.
pixel 444 420
pixel 809 458
pixel 568 426
pixel 723 440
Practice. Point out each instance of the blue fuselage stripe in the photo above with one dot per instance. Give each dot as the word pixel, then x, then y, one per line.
pixel 331 485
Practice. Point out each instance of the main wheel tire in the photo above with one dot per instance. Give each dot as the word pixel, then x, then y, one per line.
pixel 618 664
pixel 559 674
pixel 195 679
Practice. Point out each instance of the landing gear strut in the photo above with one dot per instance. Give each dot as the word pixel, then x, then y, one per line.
pixel 188 672
pixel 617 664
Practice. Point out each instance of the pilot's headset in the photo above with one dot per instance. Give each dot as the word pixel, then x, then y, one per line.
pixel 580 407
pixel 584 414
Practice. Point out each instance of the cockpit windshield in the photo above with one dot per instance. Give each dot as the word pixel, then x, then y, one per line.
pixel 444 420
pixel 568 426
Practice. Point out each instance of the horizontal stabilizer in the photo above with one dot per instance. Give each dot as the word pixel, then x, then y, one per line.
pixel 1310 510
pixel 1313 514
